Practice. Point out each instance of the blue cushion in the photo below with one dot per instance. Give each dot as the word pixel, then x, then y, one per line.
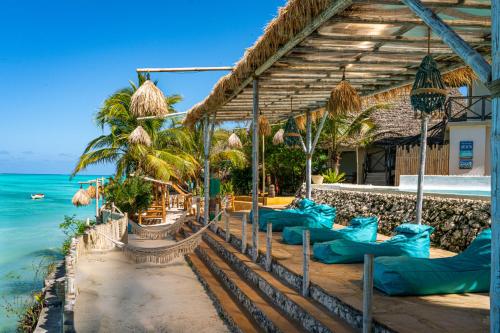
pixel 404 243
pixel 362 229
pixel 468 271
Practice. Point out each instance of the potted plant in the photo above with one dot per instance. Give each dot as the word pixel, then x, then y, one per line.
pixel 331 177
pixel 318 167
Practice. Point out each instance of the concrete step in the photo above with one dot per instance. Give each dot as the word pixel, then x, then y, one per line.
pixel 235 316
pixel 312 316
pixel 375 178
pixel 268 316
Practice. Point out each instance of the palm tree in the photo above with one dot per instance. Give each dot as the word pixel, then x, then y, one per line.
pixel 350 131
pixel 222 157
pixel 166 157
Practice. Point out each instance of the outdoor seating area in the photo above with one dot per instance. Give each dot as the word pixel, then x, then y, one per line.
pixel 452 311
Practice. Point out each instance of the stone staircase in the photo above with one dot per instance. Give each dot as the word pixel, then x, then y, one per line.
pixel 249 298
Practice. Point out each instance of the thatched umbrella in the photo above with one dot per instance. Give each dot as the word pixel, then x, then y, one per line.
pixel 344 99
pixel 91 191
pixel 81 198
pixel 278 137
pixel 264 127
pixel 234 142
pixel 148 100
pixel 140 136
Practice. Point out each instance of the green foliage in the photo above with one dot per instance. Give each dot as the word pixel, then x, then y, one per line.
pixel 331 176
pixel 241 180
pixel 168 156
pixel 131 195
pixel 227 188
pixel 72 227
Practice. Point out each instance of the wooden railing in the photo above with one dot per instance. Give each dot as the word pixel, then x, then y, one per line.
pixel 407 161
pixel 463 108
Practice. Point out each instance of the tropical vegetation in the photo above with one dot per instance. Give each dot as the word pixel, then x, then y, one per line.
pixel 170 151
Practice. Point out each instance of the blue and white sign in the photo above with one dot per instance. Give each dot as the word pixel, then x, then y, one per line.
pixel 466 154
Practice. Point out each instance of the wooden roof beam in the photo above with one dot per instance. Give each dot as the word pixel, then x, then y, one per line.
pixel 404 21
pixel 431 3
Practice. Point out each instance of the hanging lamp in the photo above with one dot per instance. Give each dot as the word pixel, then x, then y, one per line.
pixel 291 133
pixel 278 137
pixel 264 127
pixel 428 93
pixel 344 99
pixel 148 100
pixel 234 142
pixel 140 136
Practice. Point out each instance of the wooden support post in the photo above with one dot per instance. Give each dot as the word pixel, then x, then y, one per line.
pixel 306 249
pixel 97 197
pixel 367 293
pixel 216 217
pixel 469 55
pixel 198 209
pixel 163 208
pixel 226 226
pixel 495 173
pixel 206 171
pixel 421 170
pixel 308 154
pixel 255 169
pixel 269 246
pixel 244 233
pixel 263 167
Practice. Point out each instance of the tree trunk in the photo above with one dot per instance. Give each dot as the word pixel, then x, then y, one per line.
pixel 336 160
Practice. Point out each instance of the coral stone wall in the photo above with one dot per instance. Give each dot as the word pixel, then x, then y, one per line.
pixel 456 221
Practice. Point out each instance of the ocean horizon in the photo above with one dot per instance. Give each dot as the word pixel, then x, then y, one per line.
pixel 29 231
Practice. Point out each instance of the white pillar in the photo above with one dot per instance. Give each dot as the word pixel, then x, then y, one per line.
pixel 421 170
pixel 255 169
pixel 308 154
pixel 97 197
pixel 306 254
pixel 495 172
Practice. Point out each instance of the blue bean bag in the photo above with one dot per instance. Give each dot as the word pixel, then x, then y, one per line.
pixel 411 240
pixel 466 272
pixel 307 213
pixel 361 229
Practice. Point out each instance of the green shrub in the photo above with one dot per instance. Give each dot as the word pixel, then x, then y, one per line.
pixel 72 227
pixel 130 195
pixel 331 177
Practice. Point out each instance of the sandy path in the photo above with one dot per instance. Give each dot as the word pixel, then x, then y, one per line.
pixel 116 295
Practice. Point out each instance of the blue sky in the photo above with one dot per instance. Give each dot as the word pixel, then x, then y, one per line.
pixel 60 59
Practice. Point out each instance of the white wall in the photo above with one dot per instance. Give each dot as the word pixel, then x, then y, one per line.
pixel 479 135
pixel 479 89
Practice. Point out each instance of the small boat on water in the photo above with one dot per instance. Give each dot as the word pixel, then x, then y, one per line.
pixel 37 196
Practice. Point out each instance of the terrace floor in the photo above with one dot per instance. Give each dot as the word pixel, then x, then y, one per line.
pixel 439 313
pixel 118 295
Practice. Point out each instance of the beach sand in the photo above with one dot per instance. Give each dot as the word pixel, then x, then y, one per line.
pixel 117 295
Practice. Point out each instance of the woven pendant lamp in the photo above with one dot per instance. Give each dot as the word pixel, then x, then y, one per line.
pixel 148 100
pixel 140 136
pixel 91 191
pixel 81 198
pixel 278 137
pixel 234 142
pixel 291 134
pixel 301 122
pixel 428 93
pixel 344 99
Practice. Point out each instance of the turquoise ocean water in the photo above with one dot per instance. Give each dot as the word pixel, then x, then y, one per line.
pixel 29 230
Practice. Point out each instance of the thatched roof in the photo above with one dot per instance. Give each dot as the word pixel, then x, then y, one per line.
pixel 305 48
